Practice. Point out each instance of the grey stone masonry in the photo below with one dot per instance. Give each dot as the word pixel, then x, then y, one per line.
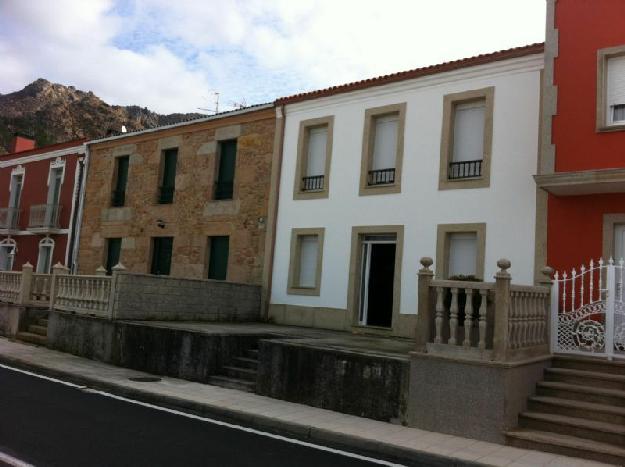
pixel 148 297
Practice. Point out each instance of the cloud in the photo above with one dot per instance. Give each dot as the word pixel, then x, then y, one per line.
pixel 170 55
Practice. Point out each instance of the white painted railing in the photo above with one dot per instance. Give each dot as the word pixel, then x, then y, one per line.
pixel 10 286
pixel 83 294
pixel 40 288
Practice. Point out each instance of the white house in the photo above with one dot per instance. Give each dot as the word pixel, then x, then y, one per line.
pixel 434 162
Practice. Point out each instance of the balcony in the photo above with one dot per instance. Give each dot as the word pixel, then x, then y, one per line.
pixel 44 218
pixel 9 220
pixel 313 183
pixel 381 177
pixel 464 169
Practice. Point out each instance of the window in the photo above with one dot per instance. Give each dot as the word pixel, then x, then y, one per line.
pixel 219 250
pixel 161 255
pixel 224 186
pixel 460 251
pixel 611 89
pixel 305 265
pixel 383 147
pixel 314 151
pixel 53 208
pixel 12 215
pixel 466 139
pixel 8 249
pixel 44 260
pixel 113 252
pixel 168 176
pixel 121 180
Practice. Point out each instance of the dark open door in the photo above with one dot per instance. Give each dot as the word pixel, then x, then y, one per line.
pixel 381 281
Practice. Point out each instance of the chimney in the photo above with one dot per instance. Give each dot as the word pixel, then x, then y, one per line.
pixel 21 142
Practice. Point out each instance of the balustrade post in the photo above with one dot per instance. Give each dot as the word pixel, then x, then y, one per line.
pixel 549 328
pixel 57 270
pixel 101 271
pixel 26 284
pixel 424 313
pixel 111 309
pixel 468 317
pixel 502 310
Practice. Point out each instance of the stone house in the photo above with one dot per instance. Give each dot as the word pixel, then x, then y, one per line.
pixel 188 199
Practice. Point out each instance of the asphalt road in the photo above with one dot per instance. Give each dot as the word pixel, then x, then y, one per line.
pixel 45 423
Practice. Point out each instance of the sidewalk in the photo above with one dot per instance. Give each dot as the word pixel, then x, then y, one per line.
pixel 304 422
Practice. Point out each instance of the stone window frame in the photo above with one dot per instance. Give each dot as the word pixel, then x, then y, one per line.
pixel 355 267
pixel 302 157
pixel 609 221
pixel 294 261
pixel 368 139
pixel 225 133
pixel 450 102
pixel 442 246
pixel 603 55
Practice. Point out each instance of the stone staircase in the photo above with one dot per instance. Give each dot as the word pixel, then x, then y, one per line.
pixel 37 332
pixel 578 410
pixel 241 374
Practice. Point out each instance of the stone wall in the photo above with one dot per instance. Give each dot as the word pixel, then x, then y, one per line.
pixel 194 215
pixel 147 297
pixel 360 384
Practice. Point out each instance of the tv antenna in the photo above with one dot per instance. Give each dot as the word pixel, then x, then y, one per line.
pixel 216 110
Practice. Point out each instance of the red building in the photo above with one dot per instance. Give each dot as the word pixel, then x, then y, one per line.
pixel 39 197
pixel 581 212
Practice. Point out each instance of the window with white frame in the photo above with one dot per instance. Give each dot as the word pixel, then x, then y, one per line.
pixel 316 155
pixel 44 260
pixel 305 263
pixel 615 91
pixel 384 149
pixel 462 254
pixel 8 249
pixel 468 140
pixel 308 249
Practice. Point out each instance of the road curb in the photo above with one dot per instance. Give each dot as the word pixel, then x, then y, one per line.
pixel 261 422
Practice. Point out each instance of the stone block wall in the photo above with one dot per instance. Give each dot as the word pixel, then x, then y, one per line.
pixel 194 214
pixel 147 297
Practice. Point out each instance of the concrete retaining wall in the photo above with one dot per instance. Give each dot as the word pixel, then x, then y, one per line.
pixel 162 351
pixel 365 385
pixel 147 297
pixel 479 400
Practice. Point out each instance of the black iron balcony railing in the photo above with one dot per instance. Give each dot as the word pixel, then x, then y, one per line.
pixel 44 216
pixel 313 183
pixel 224 190
pixel 166 194
pixel 381 177
pixel 464 169
pixel 118 198
pixel 9 218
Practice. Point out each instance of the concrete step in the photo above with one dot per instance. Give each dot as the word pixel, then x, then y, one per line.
pixel 613 397
pixel 246 374
pixel 244 362
pixel 577 409
pixel 36 329
pixel 589 364
pixel 566 445
pixel 232 383
pixel 43 322
pixel 31 338
pixel 602 432
pixel 586 378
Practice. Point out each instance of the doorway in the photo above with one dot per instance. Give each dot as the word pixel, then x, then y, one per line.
pixel 377 280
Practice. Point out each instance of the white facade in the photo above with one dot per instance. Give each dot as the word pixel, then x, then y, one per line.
pixel 507 206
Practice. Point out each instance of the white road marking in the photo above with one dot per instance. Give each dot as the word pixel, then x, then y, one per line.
pixel 203 419
pixel 12 461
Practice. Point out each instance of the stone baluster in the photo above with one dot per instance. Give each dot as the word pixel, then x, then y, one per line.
pixel 424 314
pixel 440 310
pixel 482 319
pixel 453 317
pixel 468 317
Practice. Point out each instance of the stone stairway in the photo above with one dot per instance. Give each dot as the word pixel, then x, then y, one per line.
pixel 241 374
pixel 37 332
pixel 578 410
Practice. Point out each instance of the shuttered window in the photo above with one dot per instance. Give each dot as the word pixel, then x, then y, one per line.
pixel 224 186
pixel 468 144
pixel 121 180
pixel 385 142
pixel 462 255
pixel 168 180
pixel 219 250
pixel 113 252
pixel 161 255
pixel 308 249
pixel 316 156
pixel 616 90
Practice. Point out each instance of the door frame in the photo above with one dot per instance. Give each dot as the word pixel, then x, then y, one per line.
pixel 355 271
pixel 365 268
pixel 609 223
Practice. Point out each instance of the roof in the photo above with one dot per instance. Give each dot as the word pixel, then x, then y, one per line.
pixel 417 73
pixel 43 149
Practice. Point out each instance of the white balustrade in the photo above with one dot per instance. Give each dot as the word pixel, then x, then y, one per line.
pixel 83 294
pixel 10 286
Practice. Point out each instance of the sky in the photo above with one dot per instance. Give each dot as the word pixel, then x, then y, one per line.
pixel 174 55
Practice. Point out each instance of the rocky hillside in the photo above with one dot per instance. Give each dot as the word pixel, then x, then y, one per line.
pixel 54 113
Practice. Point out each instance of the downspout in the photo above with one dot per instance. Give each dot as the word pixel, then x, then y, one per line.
pixel 274 197
pixel 77 225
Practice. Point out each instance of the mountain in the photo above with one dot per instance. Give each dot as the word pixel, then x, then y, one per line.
pixel 53 113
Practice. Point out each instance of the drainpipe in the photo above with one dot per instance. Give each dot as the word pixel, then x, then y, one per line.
pixel 270 240
pixel 77 223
